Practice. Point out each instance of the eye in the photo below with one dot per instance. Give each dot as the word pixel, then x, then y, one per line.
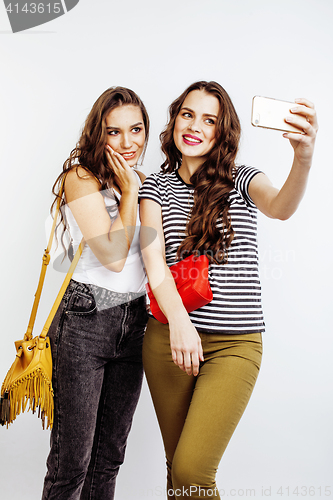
pixel 210 121
pixel 113 132
pixel 136 130
pixel 186 114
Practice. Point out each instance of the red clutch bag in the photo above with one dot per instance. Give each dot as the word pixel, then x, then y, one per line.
pixel 191 278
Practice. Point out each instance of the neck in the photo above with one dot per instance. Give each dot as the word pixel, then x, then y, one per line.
pixel 188 167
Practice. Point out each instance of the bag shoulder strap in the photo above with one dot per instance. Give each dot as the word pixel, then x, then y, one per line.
pixel 45 263
pixel 62 290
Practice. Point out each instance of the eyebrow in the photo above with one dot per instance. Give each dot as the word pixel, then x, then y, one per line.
pixel 132 126
pixel 205 114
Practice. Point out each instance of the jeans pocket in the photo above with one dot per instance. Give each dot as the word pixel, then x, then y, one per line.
pixel 81 304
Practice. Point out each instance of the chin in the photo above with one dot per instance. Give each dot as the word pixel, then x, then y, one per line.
pixel 193 154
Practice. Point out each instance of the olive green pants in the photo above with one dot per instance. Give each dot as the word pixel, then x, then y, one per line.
pixel 198 415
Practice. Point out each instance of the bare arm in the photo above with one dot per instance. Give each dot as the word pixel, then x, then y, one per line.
pixel 110 242
pixel 281 204
pixel 185 342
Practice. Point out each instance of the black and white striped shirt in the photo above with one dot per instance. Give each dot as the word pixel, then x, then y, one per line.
pixel 236 306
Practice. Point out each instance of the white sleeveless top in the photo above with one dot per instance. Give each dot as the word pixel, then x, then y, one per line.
pixel 90 271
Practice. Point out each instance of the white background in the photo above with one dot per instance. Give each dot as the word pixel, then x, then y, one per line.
pixel 50 77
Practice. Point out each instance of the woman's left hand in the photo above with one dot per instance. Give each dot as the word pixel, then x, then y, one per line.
pixel 305 118
pixel 282 203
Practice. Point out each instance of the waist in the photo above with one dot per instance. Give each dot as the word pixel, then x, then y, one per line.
pixel 105 298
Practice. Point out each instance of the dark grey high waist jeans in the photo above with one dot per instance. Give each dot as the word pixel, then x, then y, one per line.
pixel 97 376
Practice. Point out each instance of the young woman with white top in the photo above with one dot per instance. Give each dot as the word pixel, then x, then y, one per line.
pixel 97 333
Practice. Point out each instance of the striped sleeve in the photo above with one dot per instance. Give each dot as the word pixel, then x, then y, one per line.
pixel 151 190
pixel 244 175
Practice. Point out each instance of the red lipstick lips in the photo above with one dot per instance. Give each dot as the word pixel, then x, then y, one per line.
pixel 191 140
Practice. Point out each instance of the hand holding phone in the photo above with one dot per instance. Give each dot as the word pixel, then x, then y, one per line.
pixel 271 113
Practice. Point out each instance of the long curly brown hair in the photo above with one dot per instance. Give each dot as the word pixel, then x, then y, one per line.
pixel 212 181
pixel 89 151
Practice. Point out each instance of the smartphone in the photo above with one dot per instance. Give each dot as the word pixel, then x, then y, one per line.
pixel 270 113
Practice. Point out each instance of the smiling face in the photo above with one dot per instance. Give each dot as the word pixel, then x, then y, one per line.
pixel 126 132
pixel 195 126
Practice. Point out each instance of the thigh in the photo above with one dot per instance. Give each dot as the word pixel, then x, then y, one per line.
pixel 171 389
pixel 119 396
pixel 122 382
pixel 77 378
pixel 223 389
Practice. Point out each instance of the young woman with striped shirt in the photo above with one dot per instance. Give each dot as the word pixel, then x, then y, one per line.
pixel 203 202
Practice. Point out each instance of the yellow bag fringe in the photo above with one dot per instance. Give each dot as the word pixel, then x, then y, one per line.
pixel 35 389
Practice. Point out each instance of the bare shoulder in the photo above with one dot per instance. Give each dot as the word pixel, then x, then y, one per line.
pixel 79 174
pixel 141 175
pixel 80 182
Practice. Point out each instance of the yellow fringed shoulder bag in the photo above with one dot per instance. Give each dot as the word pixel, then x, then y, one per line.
pixel 29 379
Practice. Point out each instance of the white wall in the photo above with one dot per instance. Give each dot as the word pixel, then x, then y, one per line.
pixel 50 77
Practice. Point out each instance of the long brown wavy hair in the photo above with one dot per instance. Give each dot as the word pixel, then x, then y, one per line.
pixel 212 181
pixel 89 151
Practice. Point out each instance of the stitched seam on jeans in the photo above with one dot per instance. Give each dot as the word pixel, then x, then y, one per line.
pixel 98 444
pixel 56 436
pixel 123 326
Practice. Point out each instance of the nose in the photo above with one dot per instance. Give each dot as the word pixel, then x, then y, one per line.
pixel 126 142
pixel 194 125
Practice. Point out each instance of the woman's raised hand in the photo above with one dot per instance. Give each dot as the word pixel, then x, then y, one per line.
pixel 282 203
pixel 124 175
pixel 305 118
